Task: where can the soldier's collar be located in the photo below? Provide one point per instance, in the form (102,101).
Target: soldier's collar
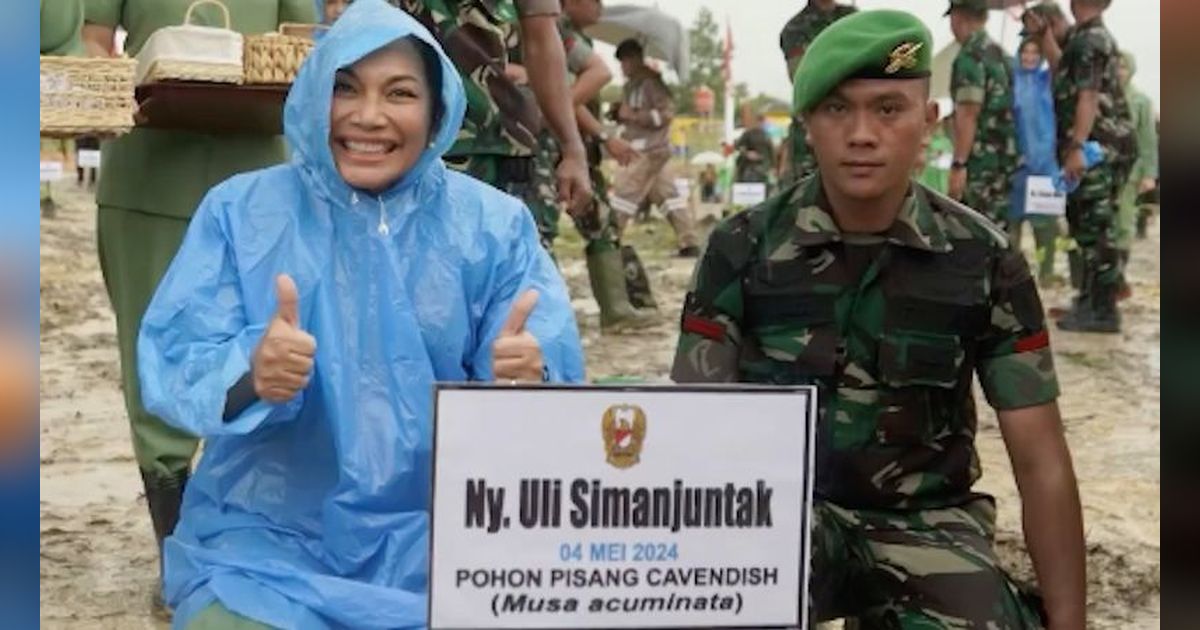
(915,226)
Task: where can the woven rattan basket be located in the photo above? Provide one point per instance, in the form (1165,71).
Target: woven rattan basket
(275,58)
(92,96)
(192,53)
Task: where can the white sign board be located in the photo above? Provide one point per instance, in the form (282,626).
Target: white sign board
(52,170)
(621,507)
(88,158)
(683,187)
(749,194)
(1042,198)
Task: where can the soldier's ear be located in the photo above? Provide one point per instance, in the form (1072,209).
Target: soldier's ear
(932,115)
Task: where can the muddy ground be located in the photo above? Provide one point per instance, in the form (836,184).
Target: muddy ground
(98,558)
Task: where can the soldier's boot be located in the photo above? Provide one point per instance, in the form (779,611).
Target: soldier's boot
(1124,290)
(637,283)
(164,496)
(1096,310)
(1075,268)
(608,286)
(1143,220)
(1078,281)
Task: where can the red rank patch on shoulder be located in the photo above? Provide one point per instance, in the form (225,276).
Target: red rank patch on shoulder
(1036,341)
(706,328)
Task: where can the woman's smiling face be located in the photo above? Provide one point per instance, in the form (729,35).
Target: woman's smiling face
(380,117)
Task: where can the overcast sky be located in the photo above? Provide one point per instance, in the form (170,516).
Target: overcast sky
(756,25)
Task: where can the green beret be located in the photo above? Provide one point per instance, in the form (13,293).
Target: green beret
(970,5)
(881,44)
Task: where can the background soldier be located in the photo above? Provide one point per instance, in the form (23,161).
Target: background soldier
(793,40)
(499,133)
(985,135)
(1143,179)
(889,298)
(1090,104)
(756,152)
(646,110)
(596,223)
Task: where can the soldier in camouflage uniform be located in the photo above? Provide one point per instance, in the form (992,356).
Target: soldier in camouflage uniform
(597,224)
(889,298)
(1090,104)
(986,155)
(815,17)
(756,152)
(500,130)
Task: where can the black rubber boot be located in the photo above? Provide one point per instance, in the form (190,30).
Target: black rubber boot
(164,495)
(1096,312)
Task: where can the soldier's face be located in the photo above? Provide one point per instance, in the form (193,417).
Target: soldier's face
(867,135)
(380,117)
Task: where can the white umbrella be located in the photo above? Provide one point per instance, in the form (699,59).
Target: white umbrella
(708,157)
(663,36)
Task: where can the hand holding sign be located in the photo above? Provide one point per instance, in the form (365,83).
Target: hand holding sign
(283,361)
(516,355)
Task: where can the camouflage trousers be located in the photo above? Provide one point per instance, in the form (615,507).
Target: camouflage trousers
(596,225)
(988,194)
(928,569)
(1092,220)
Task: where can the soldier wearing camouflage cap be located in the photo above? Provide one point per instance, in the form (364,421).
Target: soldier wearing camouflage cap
(1090,104)
(890,299)
(985,133)
(795,37)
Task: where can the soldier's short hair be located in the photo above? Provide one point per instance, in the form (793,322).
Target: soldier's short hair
(629,48)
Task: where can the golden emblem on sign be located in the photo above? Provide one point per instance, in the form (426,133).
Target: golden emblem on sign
(624,430)
(904,57)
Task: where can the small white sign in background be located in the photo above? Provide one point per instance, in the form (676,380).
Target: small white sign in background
(620,507)
(749,193)
(1042,198)
(88,158)
(52,170)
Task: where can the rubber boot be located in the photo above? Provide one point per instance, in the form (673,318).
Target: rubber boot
(1075,267)
(637,283)
(164,495)
(1096,311)
(1124,290)
(608,286)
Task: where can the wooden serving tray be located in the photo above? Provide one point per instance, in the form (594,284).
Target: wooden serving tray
(211,107)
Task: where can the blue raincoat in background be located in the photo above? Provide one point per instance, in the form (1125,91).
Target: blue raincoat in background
(1033,109)
(313,514)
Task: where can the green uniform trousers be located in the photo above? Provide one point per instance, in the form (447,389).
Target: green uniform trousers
(135,250)
(931,569)
(218,617)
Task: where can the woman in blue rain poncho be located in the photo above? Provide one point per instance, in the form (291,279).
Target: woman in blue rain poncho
(303,323)
(1033,109)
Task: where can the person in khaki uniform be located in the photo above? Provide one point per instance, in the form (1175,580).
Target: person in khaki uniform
(151,182)
(646,111)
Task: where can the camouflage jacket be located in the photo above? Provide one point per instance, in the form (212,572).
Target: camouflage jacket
(982,74)
(758,169)
(793,40)
(501,119)
(1089,62)
(806,25)
(889,327)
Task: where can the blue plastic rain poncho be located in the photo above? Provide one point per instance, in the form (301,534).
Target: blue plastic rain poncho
(1033,108)
(313,514)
